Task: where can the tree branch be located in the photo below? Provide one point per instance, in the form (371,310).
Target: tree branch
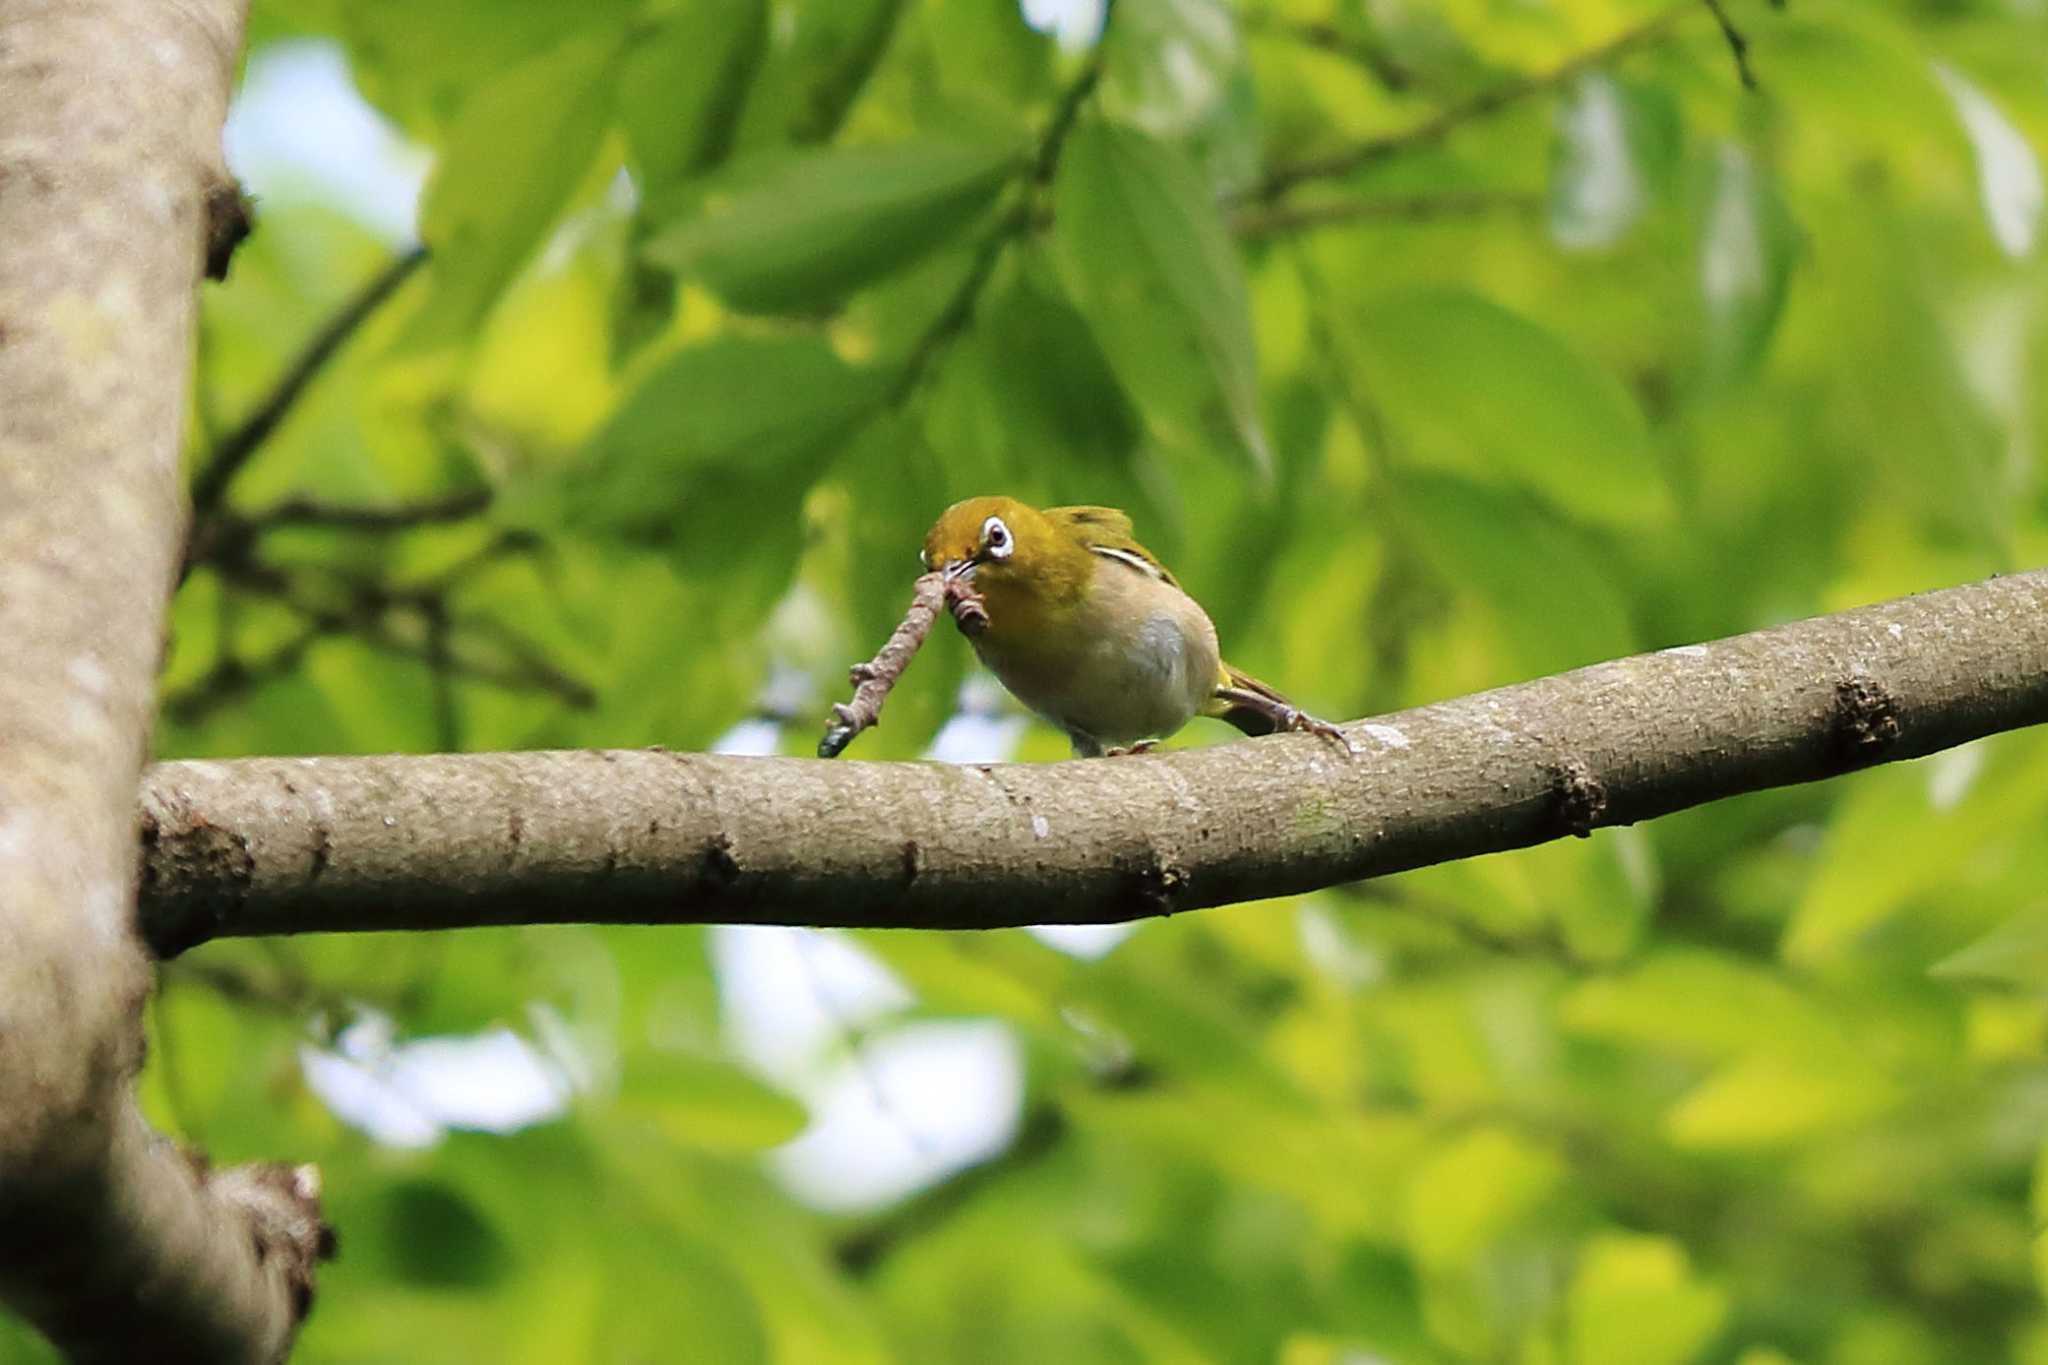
(1486,103)
(439,511)
(1738,44)
(1431,206)
(210,488)
(280,846)
(115,1244)
(954,318)
(1358,46)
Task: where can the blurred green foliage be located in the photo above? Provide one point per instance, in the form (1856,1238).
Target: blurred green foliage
(729,298)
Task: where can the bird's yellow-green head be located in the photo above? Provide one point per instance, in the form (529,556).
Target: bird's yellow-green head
(1022,562)
(993,539)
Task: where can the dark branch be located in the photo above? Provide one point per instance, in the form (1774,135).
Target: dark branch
(230,217)
(280,846)
(413,621)
(958,314)
(1284,219)
(1362,49)
(239,445)
(873,680)
(1738,45)
(404,516)
(1486,103)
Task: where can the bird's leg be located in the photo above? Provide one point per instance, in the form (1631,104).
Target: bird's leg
(1285,718)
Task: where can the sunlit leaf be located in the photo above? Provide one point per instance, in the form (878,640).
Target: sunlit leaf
(1766,1101)
(1475,1190)
(1746,252)
(1635,1301)
(521,147)
(1616,146)
(2015,954)
(2008,171)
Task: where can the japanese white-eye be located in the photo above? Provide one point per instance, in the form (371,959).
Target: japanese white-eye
(1088,629)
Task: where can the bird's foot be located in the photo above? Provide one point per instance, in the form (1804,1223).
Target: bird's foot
(1301,722)
(1284,717)
(1143,746)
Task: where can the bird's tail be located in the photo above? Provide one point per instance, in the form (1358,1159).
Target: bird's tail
(1250,705)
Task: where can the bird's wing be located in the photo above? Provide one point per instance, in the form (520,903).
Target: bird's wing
(1107,531)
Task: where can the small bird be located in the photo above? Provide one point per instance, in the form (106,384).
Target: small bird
(1087,628)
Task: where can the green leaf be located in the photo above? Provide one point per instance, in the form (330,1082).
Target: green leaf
(681,89)
(1616,147)
(1145,253)
(1167,64)
(1635,1301)
(2014,954)
(436,1236)
(705,1102)
(518,152)
(1555,603)
(736,407)
(1053,390)
(421,61)
(1467,385)
(1475,1191)
(836,48)
(783,232)
(1748,245)
(1765,1101)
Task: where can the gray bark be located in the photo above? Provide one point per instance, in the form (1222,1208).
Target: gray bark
(281,846)
(114,1242)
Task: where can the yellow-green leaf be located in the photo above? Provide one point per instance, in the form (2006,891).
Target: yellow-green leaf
(1144,251)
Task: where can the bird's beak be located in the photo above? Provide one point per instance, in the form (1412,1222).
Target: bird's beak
(957,569)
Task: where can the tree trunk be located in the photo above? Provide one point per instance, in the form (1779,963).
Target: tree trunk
(113,1241)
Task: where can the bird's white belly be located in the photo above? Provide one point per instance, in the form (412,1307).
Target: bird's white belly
(1140,663)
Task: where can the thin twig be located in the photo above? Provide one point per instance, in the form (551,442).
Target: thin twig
(872,680)
(1738,45)
(1487,102)
(1360,49)
(232,677)
(313,512)
(1283,219)
(953,319)
(236,448)
(1047,163)
(360,607)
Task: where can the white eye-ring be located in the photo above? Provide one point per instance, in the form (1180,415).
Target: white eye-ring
(924,557)
(996,537)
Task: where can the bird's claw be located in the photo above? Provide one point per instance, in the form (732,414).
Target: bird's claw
(1298,721)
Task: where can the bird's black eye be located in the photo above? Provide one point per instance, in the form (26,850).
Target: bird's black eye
(996,537)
